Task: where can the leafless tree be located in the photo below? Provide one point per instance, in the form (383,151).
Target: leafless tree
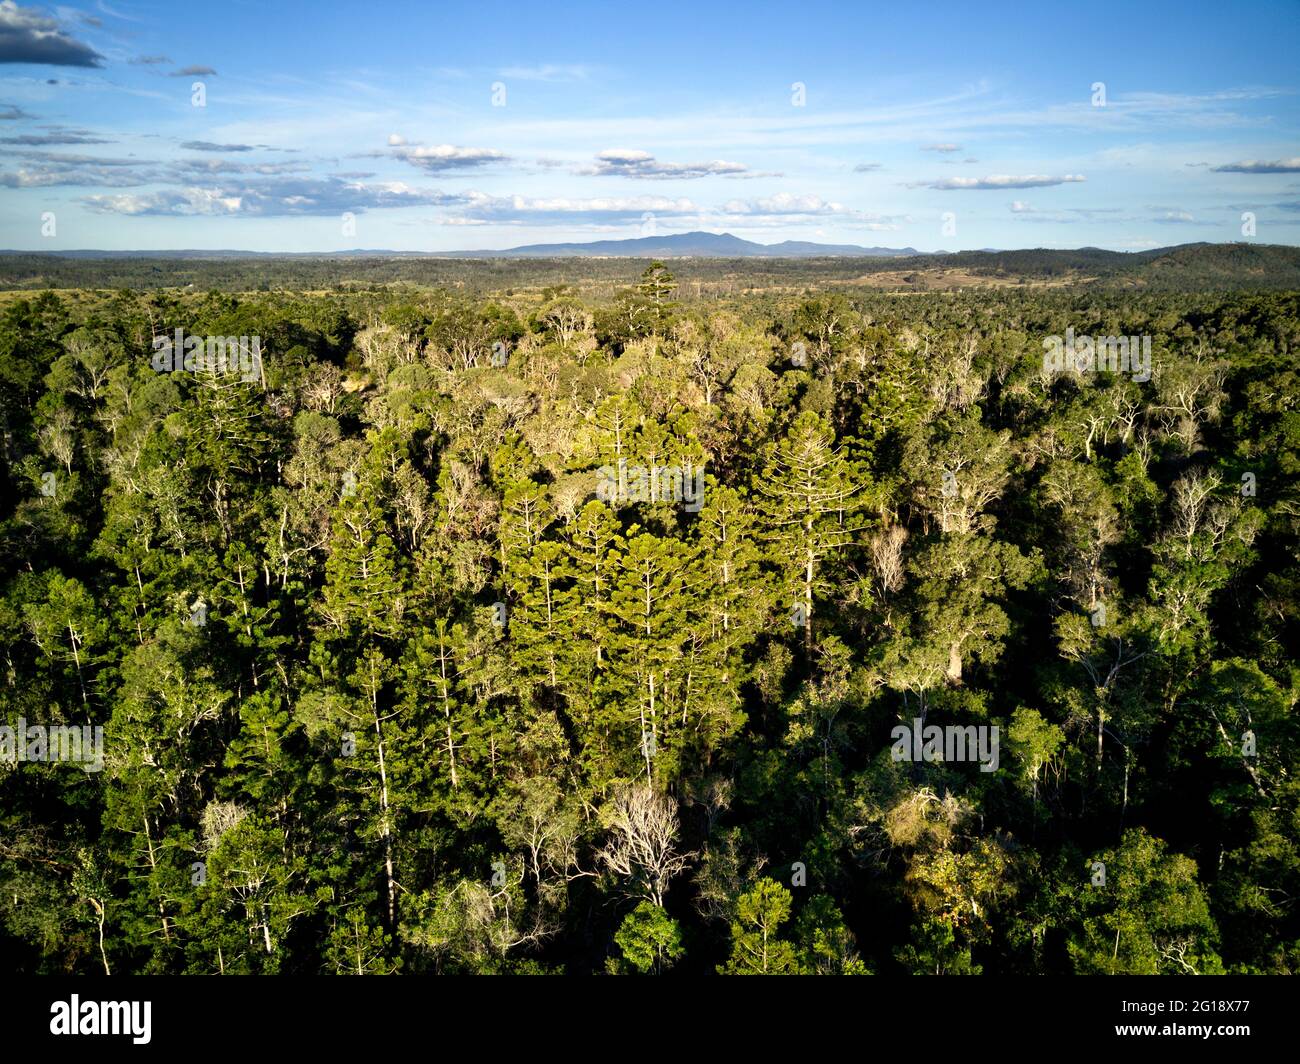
(219,818)
(887,557)
(642,844)
(566,318)
(325,389)
(58,437)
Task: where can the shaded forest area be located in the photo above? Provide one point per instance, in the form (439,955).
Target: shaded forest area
(384,686)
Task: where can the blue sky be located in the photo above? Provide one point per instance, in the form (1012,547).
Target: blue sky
(433,126)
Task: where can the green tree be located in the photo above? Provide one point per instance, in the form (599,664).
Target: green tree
(649,939)
(1150,918)
(755,947)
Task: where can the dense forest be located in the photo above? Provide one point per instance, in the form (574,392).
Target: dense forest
(415,647)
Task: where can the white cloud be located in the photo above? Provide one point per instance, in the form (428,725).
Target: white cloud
(548,72)
(189,201)
(999,181)
(277,197)
(626,162)
(441,158)
(1253,166)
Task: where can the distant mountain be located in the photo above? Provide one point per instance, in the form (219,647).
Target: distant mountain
(677,245)
(680,245)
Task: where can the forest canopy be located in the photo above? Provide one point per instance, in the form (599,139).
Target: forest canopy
(962,663)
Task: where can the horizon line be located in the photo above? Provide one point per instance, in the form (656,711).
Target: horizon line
(489,253)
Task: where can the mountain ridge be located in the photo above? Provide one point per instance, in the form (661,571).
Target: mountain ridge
(695,244)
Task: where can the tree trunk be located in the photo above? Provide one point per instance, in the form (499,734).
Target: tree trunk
(808,602)
(446,711)
(385,827)
(153,865)
(99,912)
(954,663)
